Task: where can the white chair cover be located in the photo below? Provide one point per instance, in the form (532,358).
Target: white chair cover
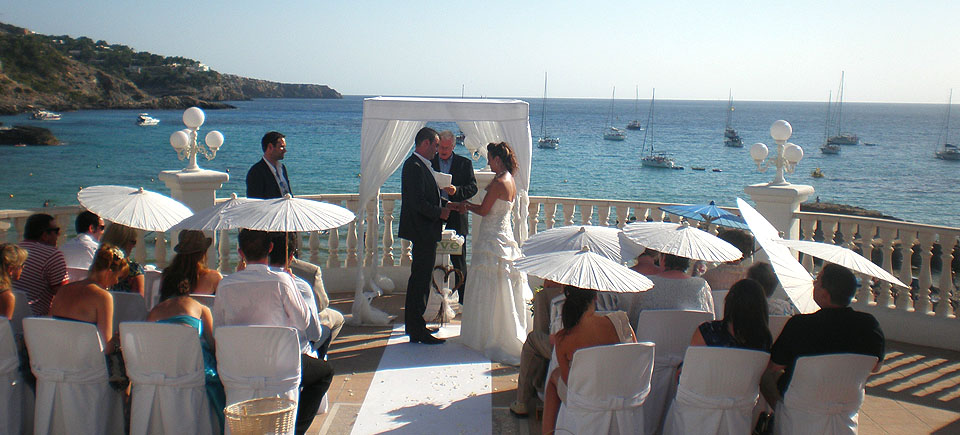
(776,325)
(21,310)
(671,331)
(606,390)
(73,396)
(128,307)
(165,367)
(556,308)
(718,389)
(258,361)
(77,273)
(718,298)
(151,286)
(206,300)
(824,395)
(16,398)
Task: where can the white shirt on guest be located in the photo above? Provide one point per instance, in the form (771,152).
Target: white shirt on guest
(260,296)
(79,251)
(313,329)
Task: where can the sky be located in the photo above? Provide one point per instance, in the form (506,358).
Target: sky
(891,51)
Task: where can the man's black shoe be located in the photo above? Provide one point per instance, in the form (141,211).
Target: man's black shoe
(427,339)
(433,330)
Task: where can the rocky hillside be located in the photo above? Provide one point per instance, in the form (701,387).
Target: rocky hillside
(63,73)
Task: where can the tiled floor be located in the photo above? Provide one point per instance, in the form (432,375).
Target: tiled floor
(917,391)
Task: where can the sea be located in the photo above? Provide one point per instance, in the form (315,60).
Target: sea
(899,176)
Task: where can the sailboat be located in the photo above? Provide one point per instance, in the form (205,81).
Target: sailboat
(730,136)
(635,124)
(610,132)
(654,159)
(842,138)
(948,151)
(546,141)
(827,147)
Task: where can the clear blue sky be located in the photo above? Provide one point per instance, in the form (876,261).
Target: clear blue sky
(892,51)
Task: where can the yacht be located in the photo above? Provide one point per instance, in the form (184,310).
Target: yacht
(730,136)
(546,141)
(44,115)
(658,160)
(145,120)
(948,151)
(614,133)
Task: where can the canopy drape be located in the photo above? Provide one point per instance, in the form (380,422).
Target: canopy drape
(386,139)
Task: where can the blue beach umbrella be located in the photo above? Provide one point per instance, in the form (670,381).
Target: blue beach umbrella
(709,213)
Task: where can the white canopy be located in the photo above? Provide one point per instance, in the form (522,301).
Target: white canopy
(391,123)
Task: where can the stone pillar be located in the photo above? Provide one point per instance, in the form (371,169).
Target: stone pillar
(779,203)
(197,190)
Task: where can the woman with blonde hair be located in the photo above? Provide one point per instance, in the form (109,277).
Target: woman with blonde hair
(88,300)
(125,238)
(12,258)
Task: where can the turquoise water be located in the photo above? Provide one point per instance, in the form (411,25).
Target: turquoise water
(899,176)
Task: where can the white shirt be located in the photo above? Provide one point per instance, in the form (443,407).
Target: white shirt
(79,251)
(260,296)
(278,176)
(312,332)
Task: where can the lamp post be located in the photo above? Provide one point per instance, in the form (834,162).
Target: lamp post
(185,141)
(787,157)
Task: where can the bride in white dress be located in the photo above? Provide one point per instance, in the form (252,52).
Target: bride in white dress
(496,317)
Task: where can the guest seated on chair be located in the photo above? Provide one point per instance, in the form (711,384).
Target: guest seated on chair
(647,263)
(176,306)
(582,328)
(535,354)
(744,323)
(726,274)
(673,289)
(835,328)
(190,264)
(125,238)
(763,274)
(12,258)
(285,246)
(87,300)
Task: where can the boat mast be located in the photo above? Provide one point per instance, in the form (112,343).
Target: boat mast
(840,106)
(729,109)
(946,128)
(543,107)
(649,129)
(826,125)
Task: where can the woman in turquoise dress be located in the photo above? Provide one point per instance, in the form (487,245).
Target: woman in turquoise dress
(176,306)
(125,238)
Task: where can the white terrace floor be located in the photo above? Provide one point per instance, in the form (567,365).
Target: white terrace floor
(386,385)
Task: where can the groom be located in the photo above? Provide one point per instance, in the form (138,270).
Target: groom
(421,221)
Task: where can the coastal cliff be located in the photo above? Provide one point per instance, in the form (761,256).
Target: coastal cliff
(62,73)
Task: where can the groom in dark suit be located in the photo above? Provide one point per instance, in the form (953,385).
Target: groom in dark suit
(267,179)
(421,220)
(464,187)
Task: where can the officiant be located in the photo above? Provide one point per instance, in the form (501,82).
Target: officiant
(463,187)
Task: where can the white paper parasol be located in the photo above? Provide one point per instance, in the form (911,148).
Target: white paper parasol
(135,208)
(681,240)
(842,256)
(601,240)
(210,219)
(796,281)
(584,269)
(286,214)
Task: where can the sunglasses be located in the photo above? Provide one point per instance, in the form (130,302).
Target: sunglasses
(53,230)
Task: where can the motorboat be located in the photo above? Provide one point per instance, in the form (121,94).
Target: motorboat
(460,138)
(614,133)
(817,173)
(546,141)
(145,120)
(44,115)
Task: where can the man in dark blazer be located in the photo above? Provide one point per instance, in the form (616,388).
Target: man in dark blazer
(268,178)
(463,187)
(421,220)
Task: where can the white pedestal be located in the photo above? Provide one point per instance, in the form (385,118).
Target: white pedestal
(197,190)
(779,203)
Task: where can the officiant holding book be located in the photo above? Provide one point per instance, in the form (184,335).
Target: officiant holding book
(463,186)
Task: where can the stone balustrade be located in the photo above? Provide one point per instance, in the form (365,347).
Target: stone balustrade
(905,249)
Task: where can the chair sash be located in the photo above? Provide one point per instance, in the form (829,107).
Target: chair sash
(260,383)
(195,379)
(607,403)
(689,397)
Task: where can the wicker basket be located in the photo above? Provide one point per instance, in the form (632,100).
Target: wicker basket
(266,415)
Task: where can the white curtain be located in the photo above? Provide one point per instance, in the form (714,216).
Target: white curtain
(385,145)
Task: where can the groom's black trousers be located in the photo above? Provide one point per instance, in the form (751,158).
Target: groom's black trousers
(418,287)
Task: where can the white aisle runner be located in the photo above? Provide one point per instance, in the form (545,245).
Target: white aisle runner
(428,389)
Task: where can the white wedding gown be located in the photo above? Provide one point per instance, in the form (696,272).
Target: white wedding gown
(496,316)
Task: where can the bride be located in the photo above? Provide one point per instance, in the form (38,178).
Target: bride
(495,313)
